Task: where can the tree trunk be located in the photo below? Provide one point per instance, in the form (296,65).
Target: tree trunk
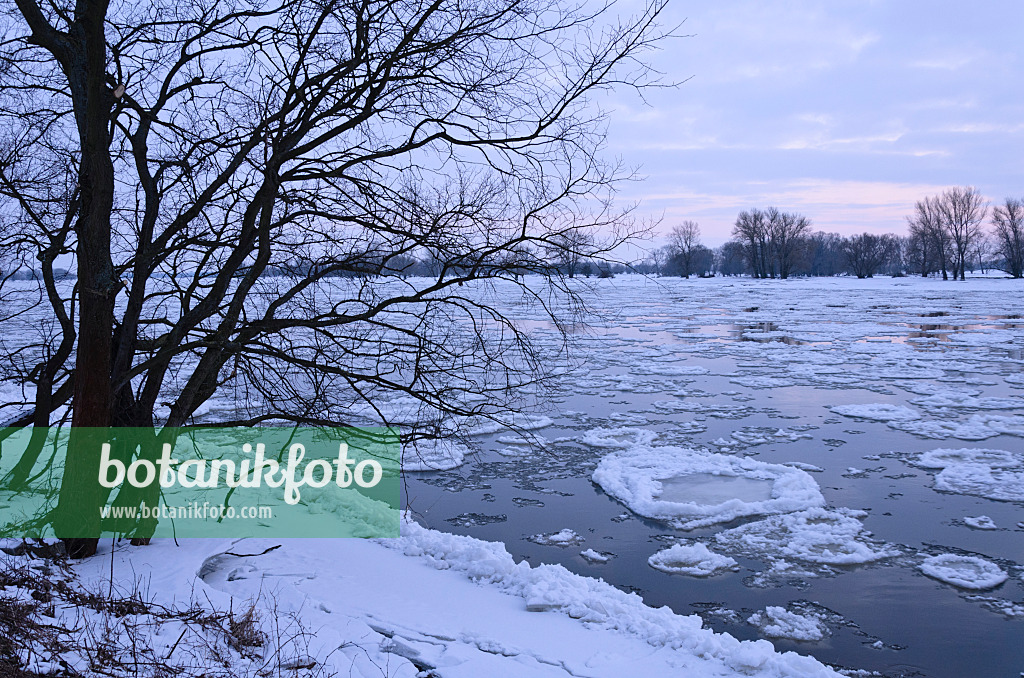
(77,520)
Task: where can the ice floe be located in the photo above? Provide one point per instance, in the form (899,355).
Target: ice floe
(433,455)
(966,572)
(690,489)
(563,538)
(620,438)
(980,522)
(877,412)
(590,555)
(815,535)
(778,622)
(695,560)
(993,474)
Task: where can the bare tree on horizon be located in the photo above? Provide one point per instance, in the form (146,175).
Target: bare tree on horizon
(1008,223)
(684,243)
(963,211)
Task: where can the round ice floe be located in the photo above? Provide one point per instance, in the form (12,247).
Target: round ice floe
(966,572)
(943,458)
(618,438)
(975,428)
(981,481)
(695,560)
(691,489)
(980,522)
(433,455)
(778,622)
(993,474)
(877,412)
(815,535)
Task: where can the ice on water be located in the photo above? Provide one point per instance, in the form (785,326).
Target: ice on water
(778,622)
(993,474)
(688,488)
(695,560)
(816,535)
(711,490)
(966,572)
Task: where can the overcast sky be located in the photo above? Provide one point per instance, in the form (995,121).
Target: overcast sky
(846,111)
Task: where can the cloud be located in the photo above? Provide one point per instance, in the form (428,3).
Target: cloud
(946,62)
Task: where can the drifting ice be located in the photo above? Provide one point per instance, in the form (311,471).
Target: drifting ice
(690,489)
(695,560)
(966,572)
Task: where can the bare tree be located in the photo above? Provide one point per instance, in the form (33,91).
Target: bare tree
(751,229)
(178,152)
(570,249)
(932,240)
(825,256)
(684,242)
(1008,228)
(981,249)
(963,210)
(773,240)
(865,254)
(787,234)
(730,258)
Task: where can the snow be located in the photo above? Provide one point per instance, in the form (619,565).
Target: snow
(690,489)
(778,622)
(695,560)
(430,602)
(966,572)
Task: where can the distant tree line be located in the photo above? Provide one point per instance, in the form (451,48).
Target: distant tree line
(946,236)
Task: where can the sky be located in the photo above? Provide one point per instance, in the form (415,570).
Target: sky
(846,111)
